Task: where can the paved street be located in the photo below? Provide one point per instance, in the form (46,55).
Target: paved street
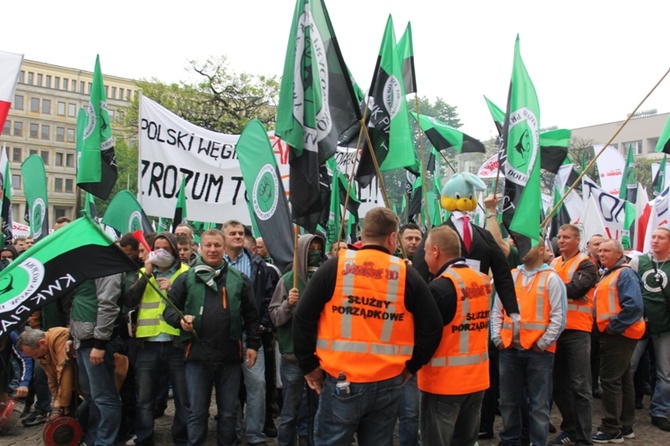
(647,435)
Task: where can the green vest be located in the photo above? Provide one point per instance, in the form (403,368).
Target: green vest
(85,302)
(656,305)
(195,301)
(285,332)
(150,318)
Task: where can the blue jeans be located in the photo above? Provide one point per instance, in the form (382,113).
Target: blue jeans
(200,378)
(369,411)
(572,384)
(450,419)
(408,414)
(660,400)
(254,383)
(155,359)
(42,392)
(532,371)
(293,383)
(102,398)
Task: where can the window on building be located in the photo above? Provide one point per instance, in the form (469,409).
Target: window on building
(106,91)
(60,134)
(62,212)
(31,77)
(18,128)
(34,130)
(72,110)
(90,88)
(47,81)
(46,131)
(121,93)
(17,154)
(57,82)
(69,160)
(82,87)
(113,92)
(46,106)
(7,127)
(59,159)
(58,185)
(22,76)
(70,135)
(33,151)
(16,181)
(635,145)
(34,105)
(60,108)
(128,92)
(45,156)
(69,185)
(74,85)
(39,80)
(65,83)
(18,102)
(111,115)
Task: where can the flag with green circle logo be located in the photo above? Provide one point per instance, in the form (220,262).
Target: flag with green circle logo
(37,202)
(125,214)
(57,264)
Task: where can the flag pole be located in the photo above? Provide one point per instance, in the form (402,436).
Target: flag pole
(424,193)
(166,300)
(590,165)
(295,256)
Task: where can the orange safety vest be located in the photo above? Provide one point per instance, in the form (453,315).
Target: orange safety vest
(607,305)
(580,313)
(365,330)
(460,364)
(533,300)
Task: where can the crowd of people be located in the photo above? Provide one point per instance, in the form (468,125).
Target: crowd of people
(431,332)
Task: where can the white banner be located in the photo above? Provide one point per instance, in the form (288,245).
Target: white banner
(171,147)
(610,167)
(489,169)
(610,207)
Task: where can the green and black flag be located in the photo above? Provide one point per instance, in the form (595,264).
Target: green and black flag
(663,144)
(37,202)
(267,199)
(125,214)
(59,263)
(521,134)
(406,54)
(387,117)
(180,209)
(317,104)
(443,136)
(96,166)
(628,188)
(659,180)
(6,235)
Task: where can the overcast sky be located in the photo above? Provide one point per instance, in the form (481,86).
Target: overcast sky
(591,61)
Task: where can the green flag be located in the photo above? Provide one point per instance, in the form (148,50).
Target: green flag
(54,266)
(125,214)
(659,179)
(163,224)
(406,56)
(497,114)
(35,190)
(317,103)
(180,209)
(443,136)
(628,189)
(89,207)
(628,225)
(388,120)
(522,212)
(6,236)
(267,200)
(335,214)
(663,144)
(96,167)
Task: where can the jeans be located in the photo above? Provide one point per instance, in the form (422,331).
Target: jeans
(254,383)
(369,411)
(450,419)
(616,381)
(153,360)
(531,371)
(41,388)
(660,400)
(572,384)
(408,414)
(492,394)
(225,378)
(101,396)
(292,393)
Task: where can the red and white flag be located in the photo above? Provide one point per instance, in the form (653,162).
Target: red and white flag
(10,65)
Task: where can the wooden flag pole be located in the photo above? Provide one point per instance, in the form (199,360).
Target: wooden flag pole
(296,230)
(583,172)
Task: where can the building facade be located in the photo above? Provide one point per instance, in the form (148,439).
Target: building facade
(43,121)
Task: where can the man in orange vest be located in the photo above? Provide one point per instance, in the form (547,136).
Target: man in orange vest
(527,348)
(618,309)
(572,371)
(452,384)
(363,326)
